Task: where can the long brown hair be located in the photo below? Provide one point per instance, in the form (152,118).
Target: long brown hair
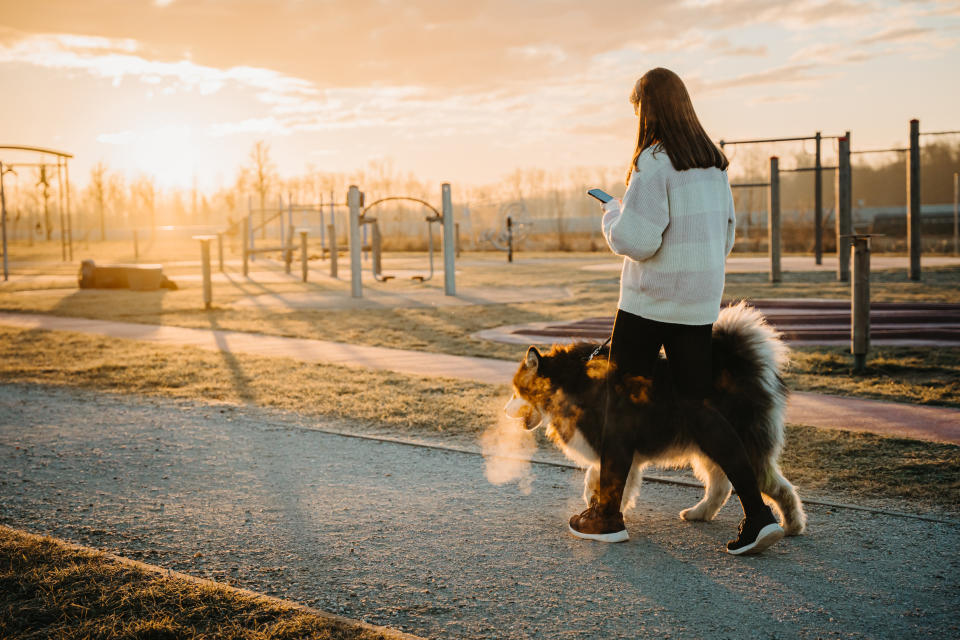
(667,119)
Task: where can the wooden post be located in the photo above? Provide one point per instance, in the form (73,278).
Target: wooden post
(205,267)
(303,255)
(509,239)
(332,237)
(913,200)
(843,202)
(773,224)
(449,248)
(860,303)
(457,233)
(136,247)
(353,202)
(220,250)
(818,206)
(246,247)
(376,248)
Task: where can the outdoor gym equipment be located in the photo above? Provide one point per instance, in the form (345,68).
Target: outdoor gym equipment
(376,239)
(358,218)
(513,231)
(63,196)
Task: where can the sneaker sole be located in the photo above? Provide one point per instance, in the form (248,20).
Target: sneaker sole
(617,536)
(768,536)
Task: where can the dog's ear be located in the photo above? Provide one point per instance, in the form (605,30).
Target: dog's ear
(532,360)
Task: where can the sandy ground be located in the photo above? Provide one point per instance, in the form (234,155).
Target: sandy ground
(417,539)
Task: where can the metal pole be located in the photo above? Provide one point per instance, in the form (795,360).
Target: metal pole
(353,202)
(3,223)
(66,173)
(449,243)
(860,303)
(509,239)
(773,225)
(956,226)
(913,200)
(844,226)
(63,226)
(246,246)
(332,236)
(818,206)
(303,255)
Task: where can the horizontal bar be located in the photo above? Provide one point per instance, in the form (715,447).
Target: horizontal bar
(938,133)
(725,142)
(879,151)
(62,154)
(750,184)
(799,169)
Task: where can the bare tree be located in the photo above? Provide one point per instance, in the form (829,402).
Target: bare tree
(98,190)
(43,181)
(261,174)
(144,193)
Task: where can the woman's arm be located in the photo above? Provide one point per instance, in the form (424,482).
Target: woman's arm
(731,226)
(634,229)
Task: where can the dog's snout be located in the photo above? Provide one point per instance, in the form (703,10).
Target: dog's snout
(514,408)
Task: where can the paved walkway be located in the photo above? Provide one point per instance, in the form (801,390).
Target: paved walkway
(418,539)
(887,418)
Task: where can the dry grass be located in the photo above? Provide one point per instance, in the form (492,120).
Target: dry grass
(918,375)
(851,465)
(52,590)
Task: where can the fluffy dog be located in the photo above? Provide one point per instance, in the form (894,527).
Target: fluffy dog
(565,389)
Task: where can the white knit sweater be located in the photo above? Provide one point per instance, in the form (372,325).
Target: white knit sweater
(674,230)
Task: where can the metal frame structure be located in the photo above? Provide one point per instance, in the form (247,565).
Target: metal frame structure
(817,181)
(63,196)
(444,217)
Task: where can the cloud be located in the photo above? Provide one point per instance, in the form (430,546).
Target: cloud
(897,34)
(799,73)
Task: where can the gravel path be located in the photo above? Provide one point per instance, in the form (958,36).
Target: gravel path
(417,539)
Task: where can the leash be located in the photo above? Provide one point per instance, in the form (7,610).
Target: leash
(599,348)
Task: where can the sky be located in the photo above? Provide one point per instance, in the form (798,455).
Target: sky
(455,91)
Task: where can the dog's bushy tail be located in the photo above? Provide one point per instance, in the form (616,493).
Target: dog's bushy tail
(749,361)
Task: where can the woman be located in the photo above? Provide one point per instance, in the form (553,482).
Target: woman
(675,228)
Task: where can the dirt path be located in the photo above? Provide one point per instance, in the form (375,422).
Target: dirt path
(417,539)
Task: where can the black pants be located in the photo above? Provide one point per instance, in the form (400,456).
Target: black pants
(634,350)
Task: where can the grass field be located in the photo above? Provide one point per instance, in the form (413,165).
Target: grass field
(922,375)
(49,589)
(851,466)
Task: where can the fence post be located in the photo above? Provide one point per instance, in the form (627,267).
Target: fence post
(860,303)
(509,239)
(773,225)
(818,206)
(332,236)
(303,255)
(220,250)
(913,200)
(246,248)
(843,200)
(457,240)
(353,202)
(956,222)
(136,247)
(449,242)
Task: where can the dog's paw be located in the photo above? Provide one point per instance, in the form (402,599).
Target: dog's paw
(795,528)
(694,514)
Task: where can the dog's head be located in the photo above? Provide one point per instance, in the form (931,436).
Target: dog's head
(529,385)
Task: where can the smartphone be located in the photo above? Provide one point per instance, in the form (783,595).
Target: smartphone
(600,195)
